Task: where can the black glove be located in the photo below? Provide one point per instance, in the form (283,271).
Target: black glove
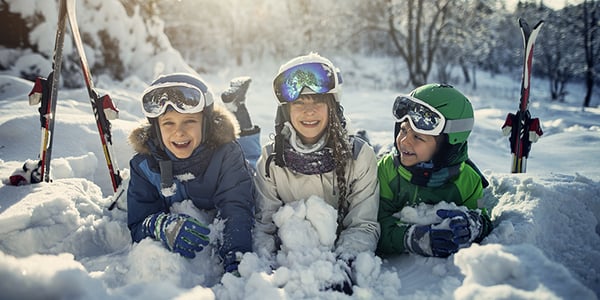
(426,240)
(435,240)
(344,286)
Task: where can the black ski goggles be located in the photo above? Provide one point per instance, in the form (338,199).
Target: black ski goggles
(183,97)
(320,78)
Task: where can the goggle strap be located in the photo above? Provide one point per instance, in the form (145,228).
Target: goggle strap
(459,125)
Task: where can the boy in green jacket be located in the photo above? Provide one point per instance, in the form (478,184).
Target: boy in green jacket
(429,165)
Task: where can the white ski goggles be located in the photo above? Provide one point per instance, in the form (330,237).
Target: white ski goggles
(183,97)
(426,119)
(318,77)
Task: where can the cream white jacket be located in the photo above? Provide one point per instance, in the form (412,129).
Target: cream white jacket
(360,231)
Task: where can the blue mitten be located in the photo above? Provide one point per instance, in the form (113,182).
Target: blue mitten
(426,240)
(179,232)
(465,226)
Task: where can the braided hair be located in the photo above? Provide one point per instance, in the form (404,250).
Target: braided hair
(342,152)
(337,140)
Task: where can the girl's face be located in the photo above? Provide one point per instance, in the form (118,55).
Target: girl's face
(310,118)
(414,147)
(181,133)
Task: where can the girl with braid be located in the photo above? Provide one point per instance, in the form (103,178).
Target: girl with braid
(312,155)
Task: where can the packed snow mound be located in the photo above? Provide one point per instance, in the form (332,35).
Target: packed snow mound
(545,245)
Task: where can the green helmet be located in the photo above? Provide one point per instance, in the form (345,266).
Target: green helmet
(452,104)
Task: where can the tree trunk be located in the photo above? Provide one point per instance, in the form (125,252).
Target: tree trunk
(465,70)
(589,83)
(590,25)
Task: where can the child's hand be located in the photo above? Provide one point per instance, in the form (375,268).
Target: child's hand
(179,232)
(346,285)
(465,226)
(427,240)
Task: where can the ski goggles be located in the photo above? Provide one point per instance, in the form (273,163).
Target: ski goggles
(318,77)
(426,119)
(183,97)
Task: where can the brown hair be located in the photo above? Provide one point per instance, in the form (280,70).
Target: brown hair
(342,151)
(337,140)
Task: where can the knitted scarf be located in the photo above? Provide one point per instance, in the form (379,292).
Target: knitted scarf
(317,162)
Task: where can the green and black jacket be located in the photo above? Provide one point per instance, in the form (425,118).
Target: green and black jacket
(461,184)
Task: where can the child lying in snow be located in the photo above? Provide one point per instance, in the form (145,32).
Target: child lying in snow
(430,164)
(189,151)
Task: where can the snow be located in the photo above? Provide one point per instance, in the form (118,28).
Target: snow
(58,240)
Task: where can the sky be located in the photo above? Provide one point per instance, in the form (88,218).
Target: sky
(58,240)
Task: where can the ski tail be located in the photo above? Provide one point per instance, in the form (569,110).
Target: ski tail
(49,97)
(45,93)
(102,106)
(520,125)
(40,94)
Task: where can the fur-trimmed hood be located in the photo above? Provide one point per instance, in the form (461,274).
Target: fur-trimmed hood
(223,129)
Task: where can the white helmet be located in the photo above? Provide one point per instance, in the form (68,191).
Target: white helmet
(324,79)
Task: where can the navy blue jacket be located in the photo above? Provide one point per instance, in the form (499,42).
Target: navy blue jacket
(221,183)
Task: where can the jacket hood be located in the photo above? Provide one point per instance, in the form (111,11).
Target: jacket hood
(223,129)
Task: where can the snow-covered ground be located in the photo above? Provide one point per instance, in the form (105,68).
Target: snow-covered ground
(59,241)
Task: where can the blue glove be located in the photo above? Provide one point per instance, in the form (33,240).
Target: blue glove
(180,233)
(426,240)
(465,226)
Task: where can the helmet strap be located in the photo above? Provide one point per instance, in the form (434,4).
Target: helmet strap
(165,164)
(449,154)
(166,173)
(155,134)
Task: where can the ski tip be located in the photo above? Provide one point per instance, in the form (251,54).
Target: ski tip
(523,23)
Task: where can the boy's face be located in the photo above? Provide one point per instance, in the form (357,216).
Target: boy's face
(309,118)
(181,133)
(414,147)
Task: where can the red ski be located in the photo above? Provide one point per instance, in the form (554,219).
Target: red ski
(102,106)
(523,129)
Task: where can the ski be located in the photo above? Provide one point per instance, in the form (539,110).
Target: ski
(102,106)
(46,95)
(523,129)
